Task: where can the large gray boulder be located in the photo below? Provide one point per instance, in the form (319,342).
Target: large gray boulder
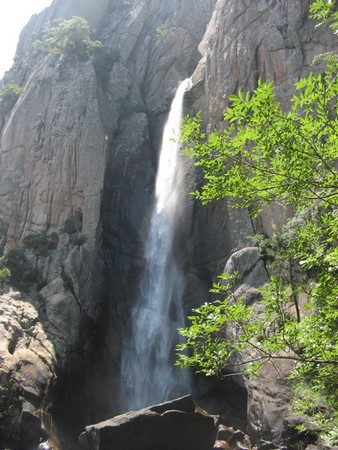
(177,424)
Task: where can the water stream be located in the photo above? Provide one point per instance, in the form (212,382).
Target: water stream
(148,374)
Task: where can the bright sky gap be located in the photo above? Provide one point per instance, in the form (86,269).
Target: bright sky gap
(14,15)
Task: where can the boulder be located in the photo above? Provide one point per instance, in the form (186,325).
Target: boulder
(177,424)
(221,445)
(299,432)
(27,359)
(229,438)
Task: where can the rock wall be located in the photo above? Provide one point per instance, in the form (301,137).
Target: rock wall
(27,371)
(82,140)
(51,146)
(247,40)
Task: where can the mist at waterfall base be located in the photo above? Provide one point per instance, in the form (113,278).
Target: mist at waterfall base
(148,373)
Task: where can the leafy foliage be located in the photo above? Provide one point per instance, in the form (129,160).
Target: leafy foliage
(5,274)
(308,402)
(267,155)
(73,227)
(70,37)
(325,11)
(41,243)
(211,346)
(17,270)
(162,31)
(8,97)
(10,410)
(73,224)
(23,274)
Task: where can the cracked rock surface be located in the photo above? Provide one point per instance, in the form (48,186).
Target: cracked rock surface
(27,368)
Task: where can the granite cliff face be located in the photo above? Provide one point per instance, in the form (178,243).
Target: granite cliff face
(78,156)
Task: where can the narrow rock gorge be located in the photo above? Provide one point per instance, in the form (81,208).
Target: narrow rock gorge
(78,157)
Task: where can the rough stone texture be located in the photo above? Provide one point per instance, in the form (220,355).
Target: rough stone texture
(248,39)
(269,396)
(243,262)
(269,401)
(53,151)
(24,339)
(172,425)
(85,138)
(89,139)
(249,265)
(27,367)
(292,434)
(230,438)
(221,445)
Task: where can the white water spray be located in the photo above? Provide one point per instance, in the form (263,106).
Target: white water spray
(148,374)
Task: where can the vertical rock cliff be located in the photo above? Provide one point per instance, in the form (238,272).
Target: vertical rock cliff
(247,40)
(78,158)
(78,155)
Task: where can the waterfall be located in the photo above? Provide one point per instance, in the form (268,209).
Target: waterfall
(148,374)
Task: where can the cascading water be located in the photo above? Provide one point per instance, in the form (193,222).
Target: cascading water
(148,374)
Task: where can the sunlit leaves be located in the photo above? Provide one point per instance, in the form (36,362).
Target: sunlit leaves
(71,37)
(8,97)
(265,154)
(324,11)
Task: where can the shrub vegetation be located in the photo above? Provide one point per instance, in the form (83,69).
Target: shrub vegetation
(8,97)
(70,37)
(262,156)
